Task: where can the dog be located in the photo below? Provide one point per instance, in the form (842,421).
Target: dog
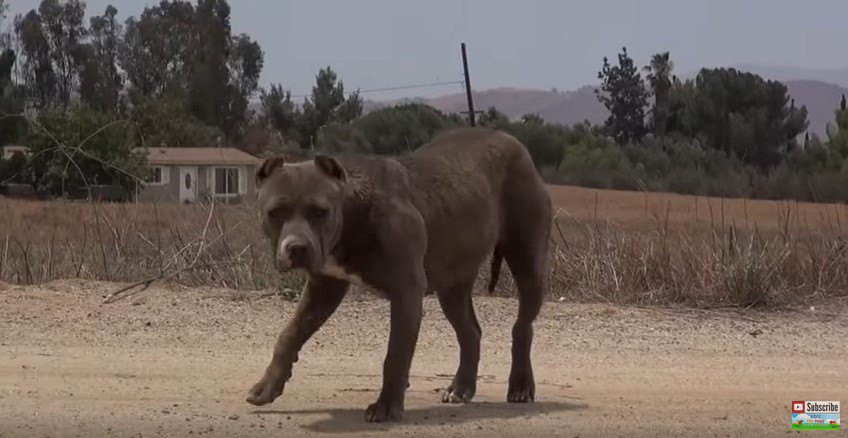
(409,226)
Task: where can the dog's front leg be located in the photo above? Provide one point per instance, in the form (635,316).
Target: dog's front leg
(320,299)
(406,311)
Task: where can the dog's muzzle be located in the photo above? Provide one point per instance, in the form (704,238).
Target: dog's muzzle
(292,253)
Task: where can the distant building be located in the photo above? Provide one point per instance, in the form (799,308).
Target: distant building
(188,175)
(11,149)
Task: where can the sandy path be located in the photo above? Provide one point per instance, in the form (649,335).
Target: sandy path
(177,362)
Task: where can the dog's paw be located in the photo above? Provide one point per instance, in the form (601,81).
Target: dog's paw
(382,412)
(265,391)
(521,393)
(458,393)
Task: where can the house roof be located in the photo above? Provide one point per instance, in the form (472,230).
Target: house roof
(200,156)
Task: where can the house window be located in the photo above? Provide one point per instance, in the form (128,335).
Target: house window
(157,175)
(226,181)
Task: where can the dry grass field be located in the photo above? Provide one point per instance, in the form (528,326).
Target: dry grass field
(610,246)
(651,211)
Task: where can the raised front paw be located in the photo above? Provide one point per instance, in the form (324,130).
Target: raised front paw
(384,411)
(266,390)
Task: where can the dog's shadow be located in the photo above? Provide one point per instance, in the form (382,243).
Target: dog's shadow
(353,420)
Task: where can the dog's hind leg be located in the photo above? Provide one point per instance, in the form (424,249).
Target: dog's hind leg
(524,245)
(529,279)
(458,308)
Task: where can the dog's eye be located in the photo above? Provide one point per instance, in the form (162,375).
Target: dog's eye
(278,213)
(318,212)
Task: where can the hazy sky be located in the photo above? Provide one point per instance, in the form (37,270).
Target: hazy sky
(538,44)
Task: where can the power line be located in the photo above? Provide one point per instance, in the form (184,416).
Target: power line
(401,87)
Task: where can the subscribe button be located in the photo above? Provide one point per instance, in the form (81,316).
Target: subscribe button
(815,407)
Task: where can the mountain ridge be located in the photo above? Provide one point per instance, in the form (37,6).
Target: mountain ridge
(569,107)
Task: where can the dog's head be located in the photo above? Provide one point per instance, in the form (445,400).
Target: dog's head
(301,206)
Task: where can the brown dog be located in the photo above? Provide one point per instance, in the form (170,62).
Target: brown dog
(407,227)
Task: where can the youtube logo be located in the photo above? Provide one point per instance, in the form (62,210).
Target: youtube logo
(798,407)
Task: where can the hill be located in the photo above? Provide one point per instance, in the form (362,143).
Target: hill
(569,107)
(821,100)
(552,105)
(837,76)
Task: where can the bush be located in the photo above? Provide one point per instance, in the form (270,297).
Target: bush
(13,169)
(545,142)
(79,147)
(401,129)
(342,139)
(596,164)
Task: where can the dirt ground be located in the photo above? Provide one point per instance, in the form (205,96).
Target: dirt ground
(178,362)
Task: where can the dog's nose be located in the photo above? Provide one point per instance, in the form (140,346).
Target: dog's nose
(297,254)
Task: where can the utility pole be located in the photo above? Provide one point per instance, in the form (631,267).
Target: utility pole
(471,114)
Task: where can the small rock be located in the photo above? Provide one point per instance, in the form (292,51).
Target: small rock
(756,333)
(234,417)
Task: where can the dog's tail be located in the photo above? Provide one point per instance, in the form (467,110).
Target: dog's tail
(497,260)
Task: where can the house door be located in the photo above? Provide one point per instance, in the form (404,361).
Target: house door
(188,185)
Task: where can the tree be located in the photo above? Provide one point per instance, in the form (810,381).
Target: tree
(532,119)
(209,64)
(79,147)
(167,122)
(38,74)
(157,49)
(838,142)
(349,110)
(245,64)
(11,97)
(101,83)
(660,79)
(493,118)
(842,103)
(624,95)
(327,95)
(260,139)
(177,50)
(327,104)
(278,110)
(53,46)
(738,113)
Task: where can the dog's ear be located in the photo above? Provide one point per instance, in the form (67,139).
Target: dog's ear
(268,167)
(331,167)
